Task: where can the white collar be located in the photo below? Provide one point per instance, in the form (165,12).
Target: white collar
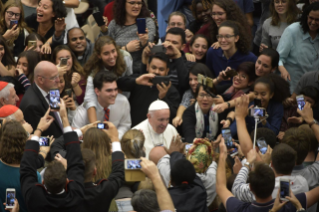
(42,91)
(61,192)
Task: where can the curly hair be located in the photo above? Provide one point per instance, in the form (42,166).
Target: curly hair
(304,17)
(21,24)
(207,4)
(119,12)
(234,13)
(59,9)
(243,44)
(95,64)
(291,14)
(12,142)
(132,144)
(7,59)
(33,59)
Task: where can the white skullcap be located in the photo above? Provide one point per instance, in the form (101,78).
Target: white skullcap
(158,105)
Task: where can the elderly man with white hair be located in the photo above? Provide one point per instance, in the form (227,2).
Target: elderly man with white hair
(156,128)
(8,94)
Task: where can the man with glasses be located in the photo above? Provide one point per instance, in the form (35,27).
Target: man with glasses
(175,19)
(35,101)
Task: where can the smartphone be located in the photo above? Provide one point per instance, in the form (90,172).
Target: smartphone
(54,98)
(201,79)
(257,102)
(44,141)
(64,62)
(262,145)
(231,73)
(13,22)
(32,43)
(157,49)
(160,79)
(227,137)
(102,126)
(133,164)
(284,189)
(141,25)
(209,82)
(98,17)
(300,101)
(68,92)
(10,197)
(257,112)
(187,146)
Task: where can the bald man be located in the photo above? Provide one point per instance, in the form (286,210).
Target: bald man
(35,101)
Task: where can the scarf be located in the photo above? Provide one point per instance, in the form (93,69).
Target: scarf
(200,122)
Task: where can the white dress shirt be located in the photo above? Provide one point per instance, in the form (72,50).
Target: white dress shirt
(119,115)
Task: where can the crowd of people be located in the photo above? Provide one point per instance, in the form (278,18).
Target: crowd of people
(177,105)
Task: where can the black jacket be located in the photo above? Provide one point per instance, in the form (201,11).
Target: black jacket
(36,196)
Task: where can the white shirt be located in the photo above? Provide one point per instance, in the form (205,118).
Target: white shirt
(153,139)
(119,115)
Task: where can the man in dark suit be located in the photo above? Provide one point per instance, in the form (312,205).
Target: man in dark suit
(35,101)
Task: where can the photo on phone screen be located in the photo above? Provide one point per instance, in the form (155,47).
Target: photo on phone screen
(10,196)
(187,146)
(284,189)
(54,98)
(44,141)
(301,102)
(141,25)
(102,126)
(133,164)
(262,145)
(13,22)
(260,112)
(227,137)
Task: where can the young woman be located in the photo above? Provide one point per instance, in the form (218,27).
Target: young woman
(7,63)
(199,45)
(35,37)
(74,73)
(299,51)
(201,11)
(106,57)
(283,13)
(132,144)
(189,96)
(235,45)
(123,28)
(14,35)
(272,90)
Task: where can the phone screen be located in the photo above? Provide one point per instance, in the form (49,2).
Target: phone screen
(262,145)
(257,112)
(12,23)
(284,189)
(11,195)
(44,141)
(133,164)
(187,146)
(64,61)
(141,25)
(301,102)
(98,17)
(158,48)
(101,126)
(54,99)
(227,137)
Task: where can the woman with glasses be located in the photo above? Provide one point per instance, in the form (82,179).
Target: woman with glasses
(299,48)
(199,120)
(12,26)
(283,13)
(234,49)
(123,28)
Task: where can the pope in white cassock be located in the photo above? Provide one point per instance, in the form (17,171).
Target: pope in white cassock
(156,128)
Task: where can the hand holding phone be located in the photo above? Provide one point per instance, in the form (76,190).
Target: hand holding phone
(262,145)
(54,99)
(300,101)
(10,197)
(102,126)
(64,62)
(98,17)
(228,138)
(284,189)
(231,73)
(257,112)
(13,22)
(133,164)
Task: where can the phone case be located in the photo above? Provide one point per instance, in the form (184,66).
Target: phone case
(141,25)
(98,17)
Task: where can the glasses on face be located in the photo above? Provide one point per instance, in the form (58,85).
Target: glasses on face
(10,14)
(282,1)
(219,14)
(202,96)
(241,76)
(132,3)
(313,19)
(51,78)
(179,24)
(220,37)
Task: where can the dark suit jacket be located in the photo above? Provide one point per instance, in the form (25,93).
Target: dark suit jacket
(34,106)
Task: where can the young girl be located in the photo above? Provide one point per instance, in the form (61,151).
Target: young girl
(7,64)
(272,90)
(74,73)
(106,57)
(35,37)
(198,47)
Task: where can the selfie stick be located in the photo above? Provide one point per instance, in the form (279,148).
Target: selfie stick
(255,134)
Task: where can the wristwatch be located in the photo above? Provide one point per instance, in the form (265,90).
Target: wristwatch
(313,122)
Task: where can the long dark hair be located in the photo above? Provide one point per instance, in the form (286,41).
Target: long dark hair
(7,59)
(304,17)
(33,59)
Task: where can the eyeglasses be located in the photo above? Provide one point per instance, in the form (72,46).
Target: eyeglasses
(10,14)
(219,14)
(179,24)
(51,78)
(282,2)
(132,3)
(313,19)
(242,76)
(202,96)
(220,37)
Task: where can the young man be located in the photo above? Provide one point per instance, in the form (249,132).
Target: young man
(111,106)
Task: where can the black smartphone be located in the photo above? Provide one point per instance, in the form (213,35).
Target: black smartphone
(102,126)
(98,17)
(13,22)
(68,92)
(284,189)
(44,141)
(54,98)
(257,102)
(231,73)
(227,137)
(160,79)
(262,145)
(158,48)
(141,25)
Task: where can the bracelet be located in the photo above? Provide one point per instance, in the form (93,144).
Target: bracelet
(39,130)
(228,104)
(230,119)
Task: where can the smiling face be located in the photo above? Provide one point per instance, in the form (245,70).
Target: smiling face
(107,95)
(313,21)
(281,6)
(159,120)
(199,48)
(241,81)
(133,9)
(227,44)
(64,54)
(158,67)
(176,21)
(205,101)
(2,51)
(77,41)
(263,66)
(218,14)
(39,46)
(9,16)
(108,55)
(45,11)
(193,82)
(23,64)
(263,93)
(202,14)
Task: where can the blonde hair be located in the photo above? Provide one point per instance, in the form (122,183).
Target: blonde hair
(132,144)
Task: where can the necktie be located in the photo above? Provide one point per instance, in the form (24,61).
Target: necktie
(56,115)
(107,114)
